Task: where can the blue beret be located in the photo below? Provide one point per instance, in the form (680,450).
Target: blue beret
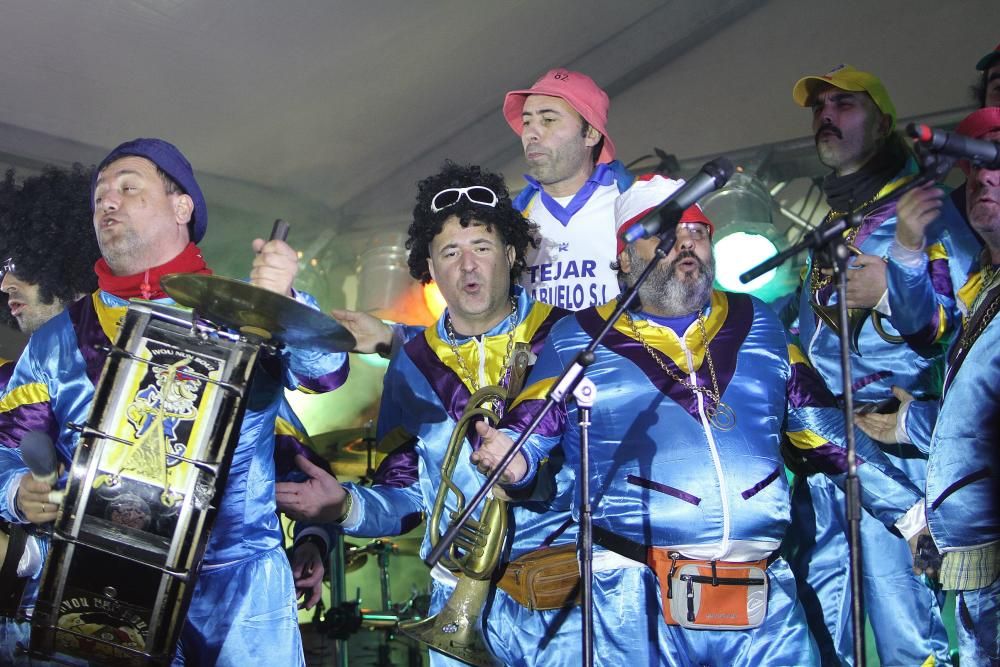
(171,162)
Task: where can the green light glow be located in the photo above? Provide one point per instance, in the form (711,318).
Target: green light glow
(737,252)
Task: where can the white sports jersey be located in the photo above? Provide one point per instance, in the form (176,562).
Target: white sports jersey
(572,266)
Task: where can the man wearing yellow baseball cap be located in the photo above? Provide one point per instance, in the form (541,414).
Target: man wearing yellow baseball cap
(853,123)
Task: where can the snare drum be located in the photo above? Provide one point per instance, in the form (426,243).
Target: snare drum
(133,527)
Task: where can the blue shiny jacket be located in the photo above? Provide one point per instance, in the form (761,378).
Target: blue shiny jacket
(662,475)
(917,365)
(425,393)
(963,469)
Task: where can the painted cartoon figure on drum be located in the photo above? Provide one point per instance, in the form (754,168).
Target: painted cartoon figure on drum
(162,405)
(101,626)
(156,412)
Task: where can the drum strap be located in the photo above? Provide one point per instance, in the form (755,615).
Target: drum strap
(12,586)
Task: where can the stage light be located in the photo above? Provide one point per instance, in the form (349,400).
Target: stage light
(745,236)
(738,251)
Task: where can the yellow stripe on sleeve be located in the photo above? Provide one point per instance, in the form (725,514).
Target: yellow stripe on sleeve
(25,394)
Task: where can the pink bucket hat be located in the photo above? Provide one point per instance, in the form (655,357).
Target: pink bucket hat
(579,91)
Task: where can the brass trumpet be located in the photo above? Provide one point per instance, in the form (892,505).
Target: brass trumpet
(457,629)
(856,317)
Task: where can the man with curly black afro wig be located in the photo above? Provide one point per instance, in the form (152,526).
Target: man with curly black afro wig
(463,196)
(48,243)
(48,250)
(467,236)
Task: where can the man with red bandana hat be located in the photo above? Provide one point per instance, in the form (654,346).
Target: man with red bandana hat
(962,490)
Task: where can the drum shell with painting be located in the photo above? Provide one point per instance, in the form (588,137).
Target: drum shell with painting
(147,474)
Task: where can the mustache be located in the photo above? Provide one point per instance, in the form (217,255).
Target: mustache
(686,254)
(829,127)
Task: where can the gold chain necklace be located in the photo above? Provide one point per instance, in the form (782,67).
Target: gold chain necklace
(719,414)
(817,280)
(453,344)
(988,275)
(989,278)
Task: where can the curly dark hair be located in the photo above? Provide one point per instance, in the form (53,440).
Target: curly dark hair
(513,228)
(46,228)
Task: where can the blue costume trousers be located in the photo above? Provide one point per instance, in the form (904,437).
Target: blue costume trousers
(904,613)
(243,614)
(977,621)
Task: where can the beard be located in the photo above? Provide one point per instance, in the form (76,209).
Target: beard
(666,291)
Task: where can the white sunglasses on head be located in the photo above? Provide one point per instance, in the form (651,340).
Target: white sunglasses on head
(476,194)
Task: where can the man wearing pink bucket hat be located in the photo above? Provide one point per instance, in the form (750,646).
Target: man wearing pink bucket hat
(573,181)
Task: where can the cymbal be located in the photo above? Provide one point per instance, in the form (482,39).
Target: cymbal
(333,441)
(354,558)
(403,545)
(247,308)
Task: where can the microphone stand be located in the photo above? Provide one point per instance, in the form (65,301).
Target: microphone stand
(567,383)
(828,241)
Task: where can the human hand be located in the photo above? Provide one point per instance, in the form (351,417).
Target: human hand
(320,498)
(926,557)
(308,568)
(882,427)
(494,446)
(274,266)
(34,500)
(866,282)
(370,333)
(915,210)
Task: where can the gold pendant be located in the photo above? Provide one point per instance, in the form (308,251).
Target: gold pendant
(721,416)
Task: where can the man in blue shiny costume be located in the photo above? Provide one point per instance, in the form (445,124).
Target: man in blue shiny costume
(962,493)
(853,120)
(694,392)
(149,213)
(466,236)
(49,249)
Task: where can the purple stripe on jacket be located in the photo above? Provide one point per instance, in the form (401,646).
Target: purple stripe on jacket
(807,389)
(286,448)
(31,417)
(89,335)
(327,382)
(827,458)
(724,348)
(399,470)
(448,387)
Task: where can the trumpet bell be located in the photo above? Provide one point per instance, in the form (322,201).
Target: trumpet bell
(457,630)
(856,318)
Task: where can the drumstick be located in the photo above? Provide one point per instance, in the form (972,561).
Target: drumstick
(280,230)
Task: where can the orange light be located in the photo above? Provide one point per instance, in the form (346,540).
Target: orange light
(435,302)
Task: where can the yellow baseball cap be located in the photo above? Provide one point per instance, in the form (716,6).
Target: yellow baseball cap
(848,78)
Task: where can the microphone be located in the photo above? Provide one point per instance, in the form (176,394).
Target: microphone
(985,154)
(713,175)
(39,454)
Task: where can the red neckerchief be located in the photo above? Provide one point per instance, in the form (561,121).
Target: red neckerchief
(146,285)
